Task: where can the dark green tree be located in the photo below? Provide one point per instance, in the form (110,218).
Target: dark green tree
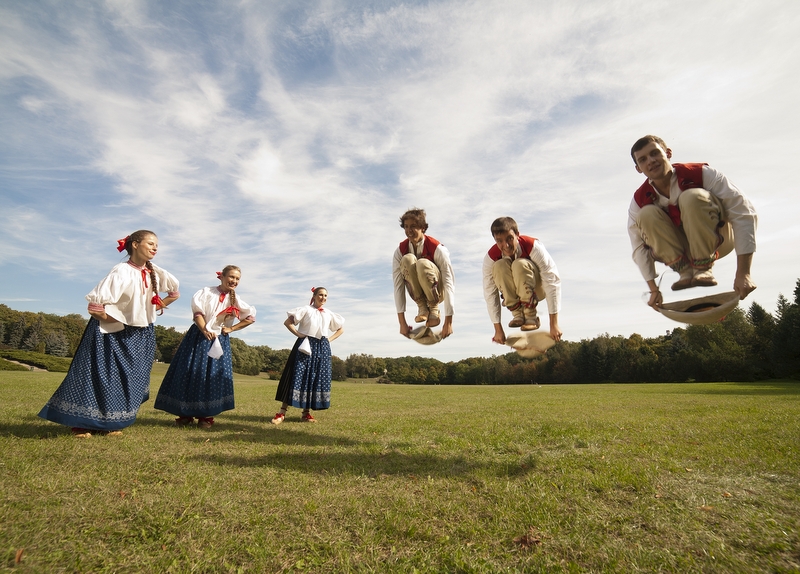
(17,333)
(55,343)
(786,337)
(167,341)
(246,359)
(339,369)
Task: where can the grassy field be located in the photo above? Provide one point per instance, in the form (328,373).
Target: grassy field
(600,478)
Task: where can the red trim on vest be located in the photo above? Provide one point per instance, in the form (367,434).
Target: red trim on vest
(429,246)
(525,242)
(690,176)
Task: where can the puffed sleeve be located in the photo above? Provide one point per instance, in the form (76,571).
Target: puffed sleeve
(298,314)
(167,282)
(245,310)
(112,291)
(337,322)
(199,303)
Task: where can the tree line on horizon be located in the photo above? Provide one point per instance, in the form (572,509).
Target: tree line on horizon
(746,346)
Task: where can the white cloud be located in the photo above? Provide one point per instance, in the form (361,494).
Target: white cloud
(289,139)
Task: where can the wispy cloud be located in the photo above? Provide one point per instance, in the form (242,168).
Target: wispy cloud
(289,138)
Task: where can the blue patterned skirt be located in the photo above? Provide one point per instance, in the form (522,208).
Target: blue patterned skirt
(306,379)
(195,384)
(108,380)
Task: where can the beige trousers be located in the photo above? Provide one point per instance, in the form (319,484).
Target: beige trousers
(420,275)
(703,237)
(518,281)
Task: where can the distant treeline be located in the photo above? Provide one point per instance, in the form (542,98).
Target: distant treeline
(746,346)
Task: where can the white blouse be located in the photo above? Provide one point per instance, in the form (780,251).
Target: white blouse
(210,302)
(314,322)
(126,295)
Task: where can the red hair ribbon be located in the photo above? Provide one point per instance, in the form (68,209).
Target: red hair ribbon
(230,311)
(219,274)
(122,243)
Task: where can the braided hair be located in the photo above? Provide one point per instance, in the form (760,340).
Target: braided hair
(138,237)
(232,292)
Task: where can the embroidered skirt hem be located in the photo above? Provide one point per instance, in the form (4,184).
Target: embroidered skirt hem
(108,380)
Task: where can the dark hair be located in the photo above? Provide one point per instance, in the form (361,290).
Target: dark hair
(224,272)
(641,142)
(417,217)
(138,237)
(314,293)
(504,225)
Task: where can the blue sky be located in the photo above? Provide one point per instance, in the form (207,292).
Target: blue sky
(287,138)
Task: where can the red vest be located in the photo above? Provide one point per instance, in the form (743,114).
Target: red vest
(525,242)
(690,176)
(429,246)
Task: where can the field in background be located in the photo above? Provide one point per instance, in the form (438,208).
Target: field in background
(573,478)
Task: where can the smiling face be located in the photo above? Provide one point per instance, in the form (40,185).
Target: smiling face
(653,161)
(230,280)
(144,250)
(320,298)
(413,231)
(507,241)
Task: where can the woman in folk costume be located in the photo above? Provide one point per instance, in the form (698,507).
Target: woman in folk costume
(197,385)
(306,379)
(109,377)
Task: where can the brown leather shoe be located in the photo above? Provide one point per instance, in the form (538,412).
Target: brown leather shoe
(704,279)
(687,275)
(433,315)
(531,322)
(422,311)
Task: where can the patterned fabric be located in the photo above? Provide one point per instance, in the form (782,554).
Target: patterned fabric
(108,380)
(306,379)
(195,384)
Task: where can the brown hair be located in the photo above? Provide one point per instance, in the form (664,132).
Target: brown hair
(138,237)
(417,217)
(224,272)
(314,293)
(504,225)
(641,142)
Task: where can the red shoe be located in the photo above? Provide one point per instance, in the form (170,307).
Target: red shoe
(205,422)
(307,418)
(183,421)
(278,418)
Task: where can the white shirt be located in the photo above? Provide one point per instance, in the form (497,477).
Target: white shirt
(548,273)
(441,258)
(125,294)
(737,210)
(312,322)
(206,303)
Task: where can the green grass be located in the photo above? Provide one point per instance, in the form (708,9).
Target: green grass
(396,478)
(11,366)
(41,360)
